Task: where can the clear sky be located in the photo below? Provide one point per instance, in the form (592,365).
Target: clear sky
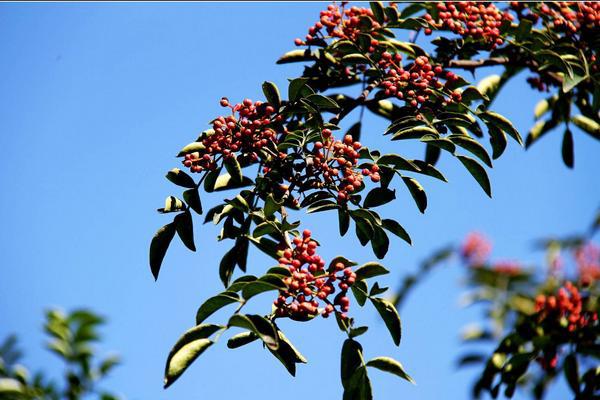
(95,101)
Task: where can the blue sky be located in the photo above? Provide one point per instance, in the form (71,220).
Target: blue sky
(97,99)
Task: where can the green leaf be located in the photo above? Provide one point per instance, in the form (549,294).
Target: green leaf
(538,130)
(172,204)
(432,154)
(428,169)
(185,229)
(390,365)
(272,94)
(360,291)
(497,140)
(234,169)
(180,178)
(417,192)
(226,182)
(211,179)
(159,245)
(227,265)
(380,242)
(241,339)
(265,283)
(378,11)
(472,146)
(295,88)
(478,172)
(351,360)
(415,132)
(343,221)
(567,149)
(502,123)
(214,304)
(296,56)
(588,125)
(189,346)
(10,387)
(543,106)
(355,58)
(271,205)
(378,197)
(370,270)
(259,325)
(359,387)
(441,143)
(288,354)
(489,85)
(397,229)
(569,82)
(390,316)
(191,148)
(267,246)
(192,198)
(323,102)
(354,131)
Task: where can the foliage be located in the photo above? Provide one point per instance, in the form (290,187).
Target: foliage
(281,156)
(71,338)
(541,322)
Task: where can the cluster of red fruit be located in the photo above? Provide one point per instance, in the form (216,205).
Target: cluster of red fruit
(246,133)
(587,258)
(309,283)
(476,20)
(567,305)
(572,16)
(330,165)
(475,249)
(537,82)
(416,83)
(341,24)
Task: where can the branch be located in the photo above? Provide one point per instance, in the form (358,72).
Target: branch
(359,100)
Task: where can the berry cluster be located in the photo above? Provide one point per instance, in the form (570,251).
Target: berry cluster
(416,83)
(571,16)
(475,249)
(330,164)
(587,258)
(567,305)
(471,19)
(339,23)
(246,134)
(310,283)
(538,83)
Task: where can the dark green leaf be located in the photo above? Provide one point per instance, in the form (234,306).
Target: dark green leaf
(159,245)
(417,192)
(397,229)
(234,169)
(390,317)
(503,123)
(432,154)
(180,178)
(263,284)
(379,196)
(215,303)
(287,354)
(497,140)
(571,368)
(259,325)
(343,221)
(567,149)
(226,182)
(380,242)
(370,270)
(478,172)
(241,339)
(272,94)
(192,198)
(351,360)
(295,88)
(472,146)
(185,229)
(360,291)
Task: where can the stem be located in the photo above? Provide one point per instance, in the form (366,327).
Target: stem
(358,101)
